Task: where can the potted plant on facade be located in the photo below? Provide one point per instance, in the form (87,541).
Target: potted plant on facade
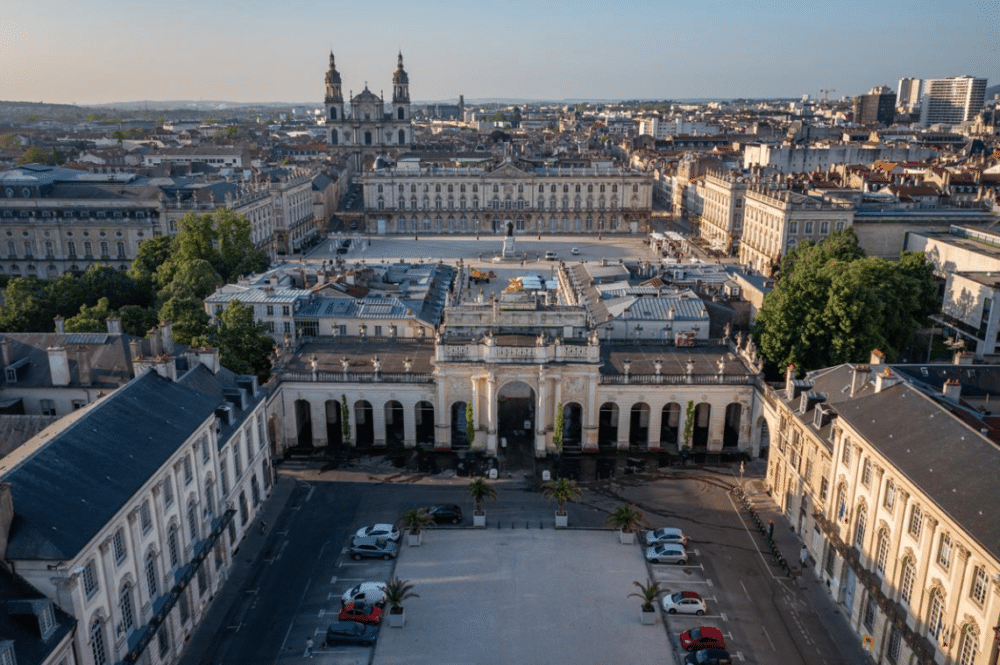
(648,593)
(480,490)
(470,426)
(345,420)
(625,518)
(396,591)
(561,491)
(414,520)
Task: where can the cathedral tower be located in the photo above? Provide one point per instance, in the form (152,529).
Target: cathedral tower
(334,103)
(400,93)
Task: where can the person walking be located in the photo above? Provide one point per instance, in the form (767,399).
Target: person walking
(309,647)
(803,556)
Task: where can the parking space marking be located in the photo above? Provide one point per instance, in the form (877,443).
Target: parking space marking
(745,590)
(771,642)
(709,582)
(739,655)
(312,488)
(323,548)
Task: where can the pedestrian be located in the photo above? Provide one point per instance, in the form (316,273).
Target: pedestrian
(770,530)
(309,647)
(803,555)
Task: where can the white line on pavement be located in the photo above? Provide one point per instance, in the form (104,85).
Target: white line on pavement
(750,536)
(764,630)
(745,590)
(312,488)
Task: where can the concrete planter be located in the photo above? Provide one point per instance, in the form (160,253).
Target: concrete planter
(626,537)
(562,521)
(647,618)
(397,620)
(414,539)
(479,520)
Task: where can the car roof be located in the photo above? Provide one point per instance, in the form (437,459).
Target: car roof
(382,527)
(668,547)
(668,529)
(690,594)
(711,632)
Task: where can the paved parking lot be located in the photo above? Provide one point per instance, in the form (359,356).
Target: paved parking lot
(522,596)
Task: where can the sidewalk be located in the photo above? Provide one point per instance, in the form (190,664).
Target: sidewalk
(807,582)
(204,635)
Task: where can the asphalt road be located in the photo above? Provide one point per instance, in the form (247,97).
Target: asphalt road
(302,570)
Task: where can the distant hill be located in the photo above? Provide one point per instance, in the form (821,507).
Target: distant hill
(994,90)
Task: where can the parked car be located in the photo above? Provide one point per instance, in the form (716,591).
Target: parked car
(445,513)
(575,251)
(348,632)
(378,548)
(684,602)
(704,637)
(666,535)
(550,256)
(366,592)
(709,657)
(667,553)
(361,613)
(386,531)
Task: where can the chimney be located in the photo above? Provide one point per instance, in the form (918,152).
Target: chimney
(885,379)
(964,358)
(877,357)
(952,390)
(60,324)
(165,367)
(114,325)
(6,514)
(136,351)
(59,365)
(5,351)
(167,336)
(790,382)
(209,357)
(83,365)
(155,348)
(859,377)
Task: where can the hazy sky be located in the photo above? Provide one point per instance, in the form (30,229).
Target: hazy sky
(91,51)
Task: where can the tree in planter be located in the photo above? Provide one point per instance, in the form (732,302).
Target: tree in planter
(345,419)
(415,519)
(480,490)
(470,425)
(561,491)
(625,517)
(557,431)
(648,593)
(396,591)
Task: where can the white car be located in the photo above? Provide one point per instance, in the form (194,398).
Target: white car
(366,592)
(667,553)
(684,602)
(575,251)
(550,256)
(666,535)
(384,531)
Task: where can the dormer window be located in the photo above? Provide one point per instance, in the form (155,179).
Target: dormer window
(7,653)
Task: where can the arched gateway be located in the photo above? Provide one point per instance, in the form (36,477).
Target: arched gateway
(516,422)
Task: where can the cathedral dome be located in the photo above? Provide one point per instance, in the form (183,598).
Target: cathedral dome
(399,76)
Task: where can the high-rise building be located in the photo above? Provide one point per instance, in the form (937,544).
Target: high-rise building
(952,100)
(878,106)
(908,94)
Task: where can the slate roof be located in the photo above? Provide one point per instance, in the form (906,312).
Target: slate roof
(66,489)
(20,624)
(953,465)
(110,358)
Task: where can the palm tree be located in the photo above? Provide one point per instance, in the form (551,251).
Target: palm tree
(562,490)
(480,491)
(415,519)
(648,593)
(625,517)
(396,591)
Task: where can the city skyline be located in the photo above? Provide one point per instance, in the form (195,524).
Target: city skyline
(278,53)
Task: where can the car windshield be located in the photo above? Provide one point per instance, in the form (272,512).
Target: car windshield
(695,634)
(677,597)
(354,591)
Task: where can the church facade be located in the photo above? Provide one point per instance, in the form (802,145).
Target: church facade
(367,128)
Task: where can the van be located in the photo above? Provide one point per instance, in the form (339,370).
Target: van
(366,592)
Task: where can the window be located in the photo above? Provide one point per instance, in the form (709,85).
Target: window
(824,487)
(846,457)
(916,521)
(831,557)
(284,310)
(223,477)
(969,647)
(145,517)
(210,498)
(172,547)
(870,610)
(193,522)
(266,473)
(270,310)
(118,543)
(168,492)
(98,649)
(824,228)
(935,614)
(151,575)
(906,580)
(840,226)
(237,463)
(882,554)
(71,249)
(890,495)
(979,585)
(121,250)
(188,473)
(859,528)
(793,228)
(89,579)
(48,407)
(944,551)
(895,642)
(808,228)
(866,473)
(125,608)
(163,640)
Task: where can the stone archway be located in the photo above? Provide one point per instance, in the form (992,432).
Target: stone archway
(334,429)
(394,428)
(423,414)
(607,430)
(303,423)
(516,423)
(731,429)
(572,426)
(763,437)
(364,424)
(458,423)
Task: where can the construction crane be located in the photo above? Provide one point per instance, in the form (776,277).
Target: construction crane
(826,94)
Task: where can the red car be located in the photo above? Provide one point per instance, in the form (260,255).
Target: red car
(705,637)
(360,613)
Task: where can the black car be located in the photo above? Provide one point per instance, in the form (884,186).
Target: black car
(348,632)
(709,657)
(445,513)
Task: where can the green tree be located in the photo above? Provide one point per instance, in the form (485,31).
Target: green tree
(137,320)
(36,155)
(28,306)
(470,425)
(237,255)
(196,240)
(345,419)
(557,431)
(244,345)
(9,141)
(190,321)
(688,424)
(648,593)
(197,275)
(152,253)
(480,491)
(625,517)
(416,519)
(111,283)
(90,319)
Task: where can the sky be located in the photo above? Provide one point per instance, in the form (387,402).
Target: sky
(99,51)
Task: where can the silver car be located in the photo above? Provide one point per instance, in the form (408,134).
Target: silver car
(666,535)
(667,553)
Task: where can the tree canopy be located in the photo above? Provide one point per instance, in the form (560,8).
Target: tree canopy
(244,345)
(832,304)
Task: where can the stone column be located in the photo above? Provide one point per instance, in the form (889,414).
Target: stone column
(442,417)
(682,424)
(590,414)
(543,413)
(890,586)
(378,422)
(624,422)
(867,549)
(655,421)
(317,416)
(491,416)
(959,575)
(410,425)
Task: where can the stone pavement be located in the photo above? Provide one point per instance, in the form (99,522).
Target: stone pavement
(199,645)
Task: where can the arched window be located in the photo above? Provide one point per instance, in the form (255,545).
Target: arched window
(906,580)
(193,522)
(859,527)
(935,614)
(126,609)
(151,575)
(882,552)
(333,116)
(173,549)
(968,649)
(98,649)
(399,116)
